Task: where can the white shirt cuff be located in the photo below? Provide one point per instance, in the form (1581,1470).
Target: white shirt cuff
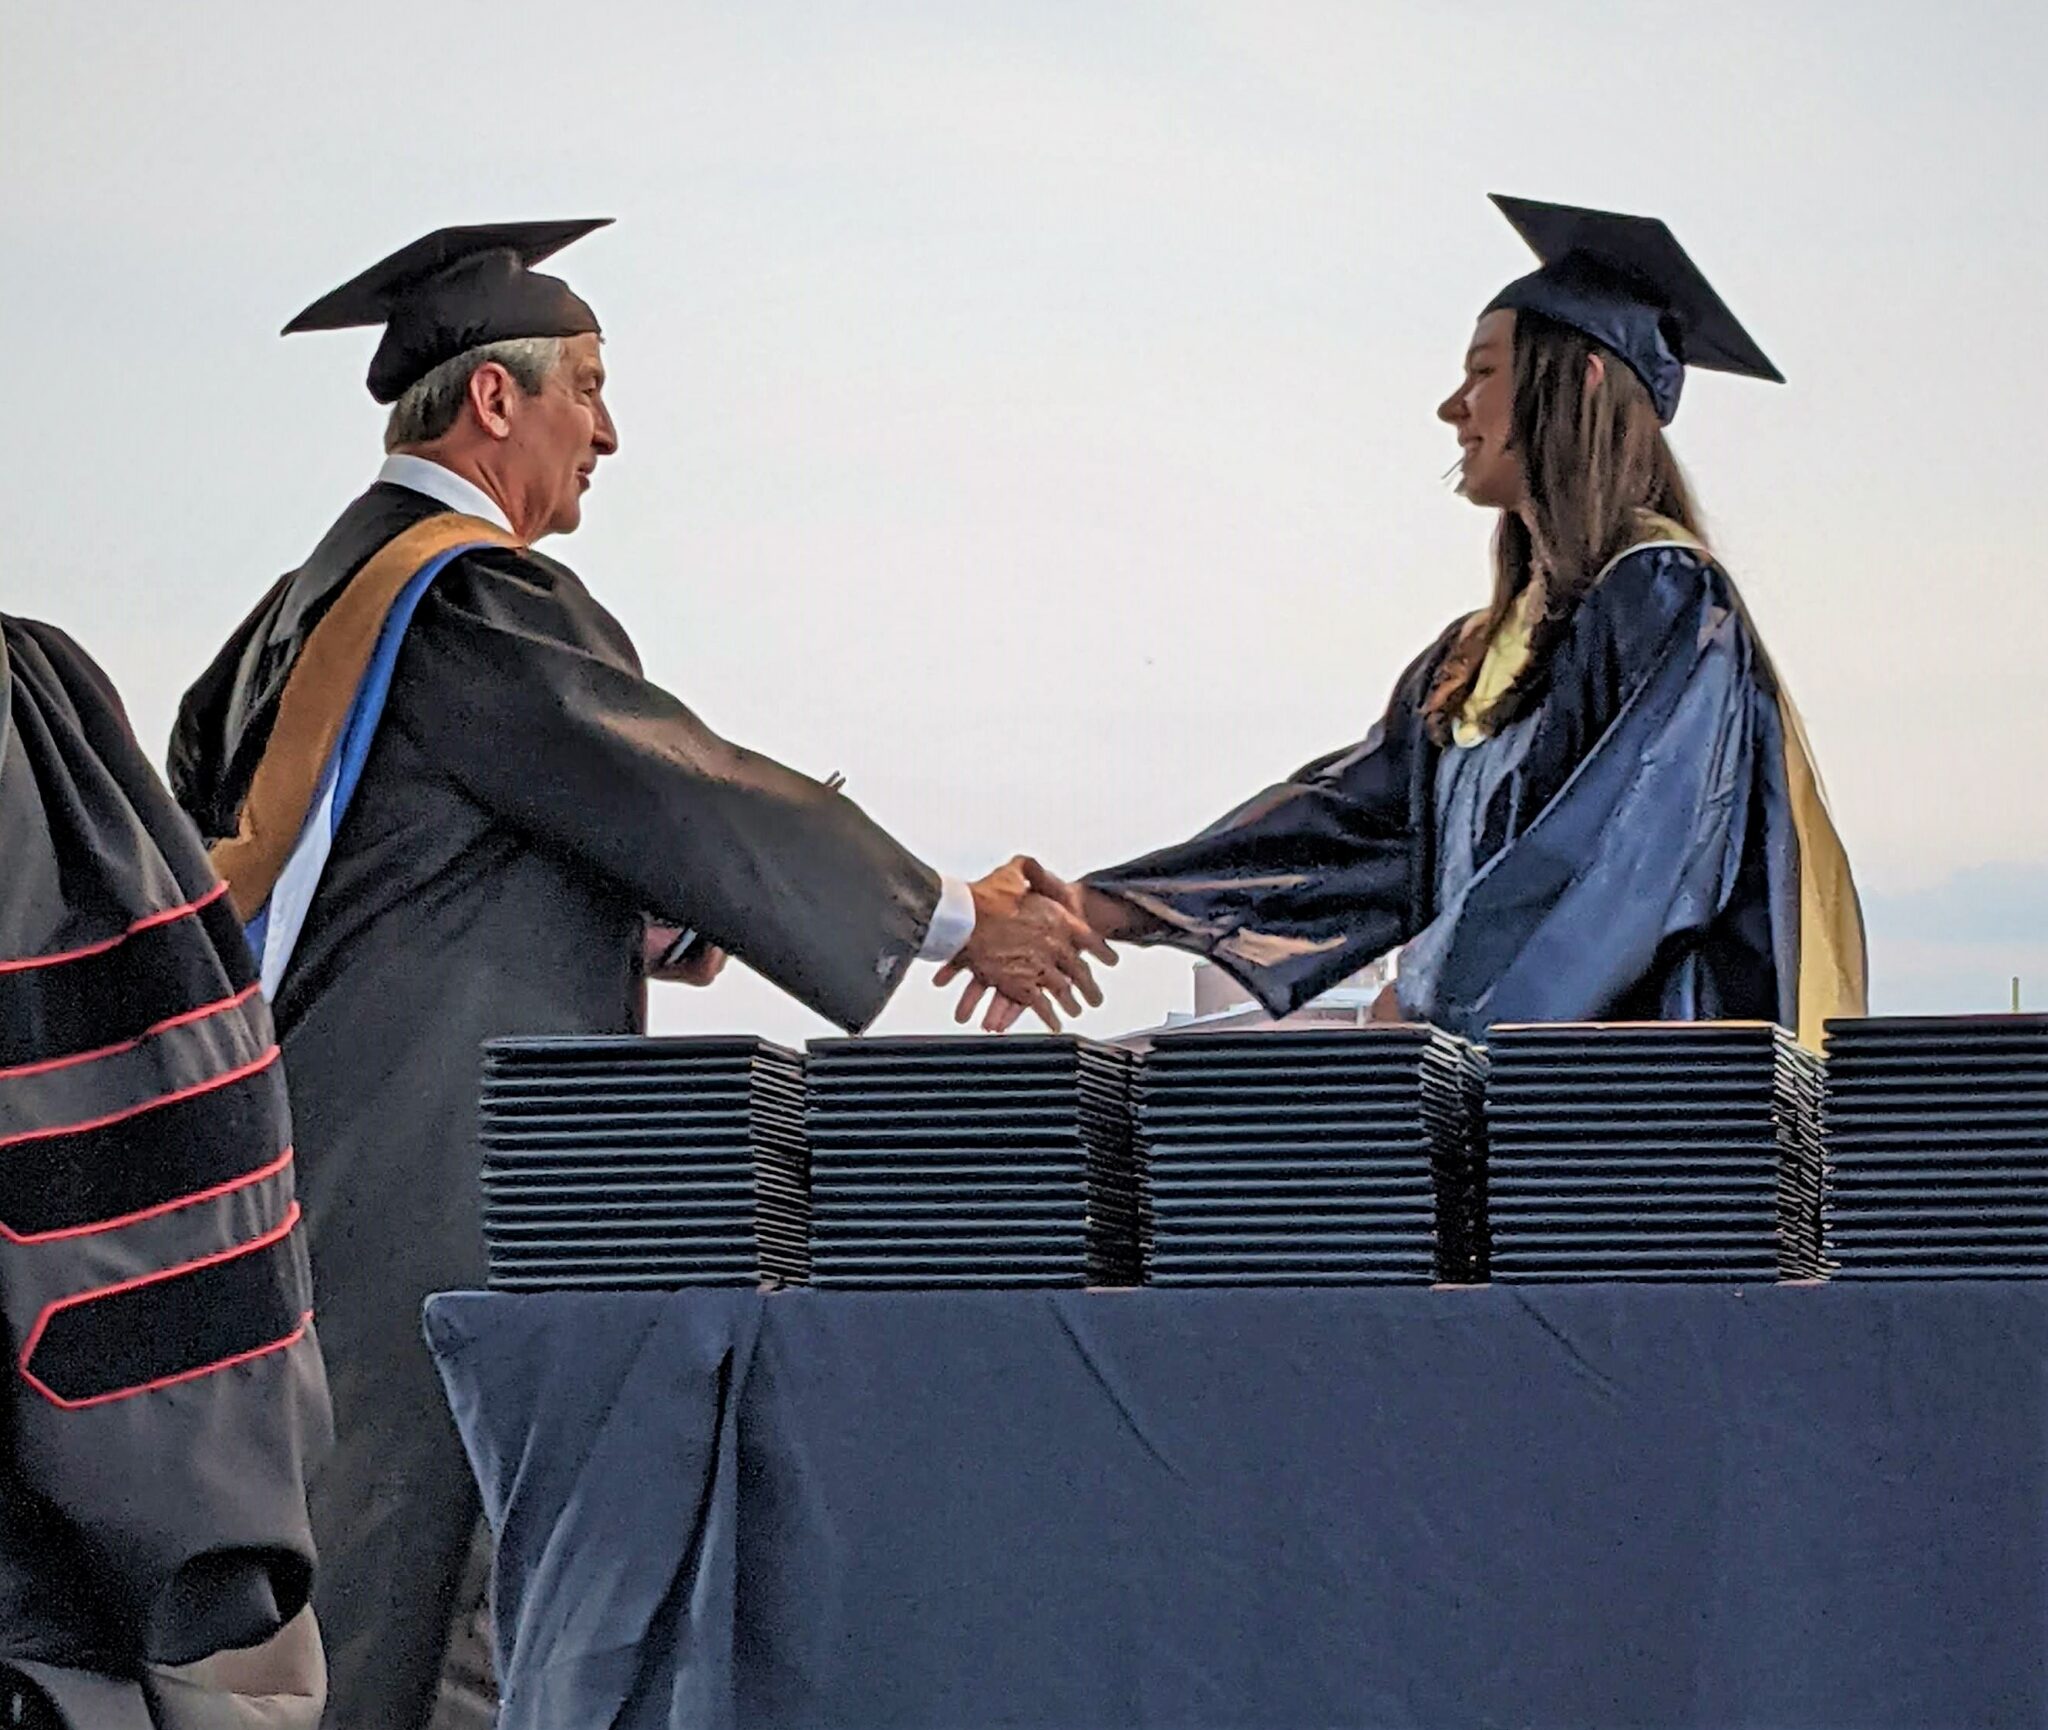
(952,922)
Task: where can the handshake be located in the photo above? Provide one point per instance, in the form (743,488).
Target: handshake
(1033,935)
(1028,953)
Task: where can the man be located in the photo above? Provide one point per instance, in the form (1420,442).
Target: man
(163,1394)
(448,803)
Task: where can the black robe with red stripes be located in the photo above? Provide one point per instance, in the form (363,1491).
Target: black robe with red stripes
(163,1397)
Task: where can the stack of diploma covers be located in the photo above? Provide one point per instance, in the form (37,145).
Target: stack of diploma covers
(1686,1151)
(1937,1143)
(1376,1155)
(1310,1157)
(971,1162)
(642,1164)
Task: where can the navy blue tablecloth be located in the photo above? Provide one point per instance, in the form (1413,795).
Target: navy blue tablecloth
(1567,1506)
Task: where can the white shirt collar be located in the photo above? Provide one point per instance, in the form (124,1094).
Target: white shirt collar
(444,486)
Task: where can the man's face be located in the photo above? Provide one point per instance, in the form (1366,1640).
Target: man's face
(557,435)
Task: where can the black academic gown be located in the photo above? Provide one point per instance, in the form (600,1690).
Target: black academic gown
(163,1396)
(1660,853)
(529,799)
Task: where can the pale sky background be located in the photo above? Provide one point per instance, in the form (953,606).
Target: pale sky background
(1027,409)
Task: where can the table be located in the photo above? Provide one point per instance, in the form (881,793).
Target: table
(1518,1506)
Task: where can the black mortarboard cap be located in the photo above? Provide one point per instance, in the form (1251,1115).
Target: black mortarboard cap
(453,290)
(1627,283)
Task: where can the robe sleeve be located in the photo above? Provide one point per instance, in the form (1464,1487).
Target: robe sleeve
(164,1399)
(1313,879)
(1634,803)
(546,721)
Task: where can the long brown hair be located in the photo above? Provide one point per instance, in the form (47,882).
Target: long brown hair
(1595,460)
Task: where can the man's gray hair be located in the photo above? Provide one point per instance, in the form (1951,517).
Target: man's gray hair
(430,408)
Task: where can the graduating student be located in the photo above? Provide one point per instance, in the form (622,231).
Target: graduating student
(448,801)
(163,1398)
(1591,798)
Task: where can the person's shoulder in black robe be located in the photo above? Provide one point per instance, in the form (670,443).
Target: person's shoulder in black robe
(165,1399)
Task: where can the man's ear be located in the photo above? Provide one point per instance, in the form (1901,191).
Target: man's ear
(1596,370)
(491,389)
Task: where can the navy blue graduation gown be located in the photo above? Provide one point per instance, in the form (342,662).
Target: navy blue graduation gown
(1661,852)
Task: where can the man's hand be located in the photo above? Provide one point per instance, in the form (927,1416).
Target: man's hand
(700,966)
(1028,947)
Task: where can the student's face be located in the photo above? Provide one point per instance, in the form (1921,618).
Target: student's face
(1481,412)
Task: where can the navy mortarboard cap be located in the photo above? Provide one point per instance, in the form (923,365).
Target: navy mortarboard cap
(452,291)
(1627,283)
